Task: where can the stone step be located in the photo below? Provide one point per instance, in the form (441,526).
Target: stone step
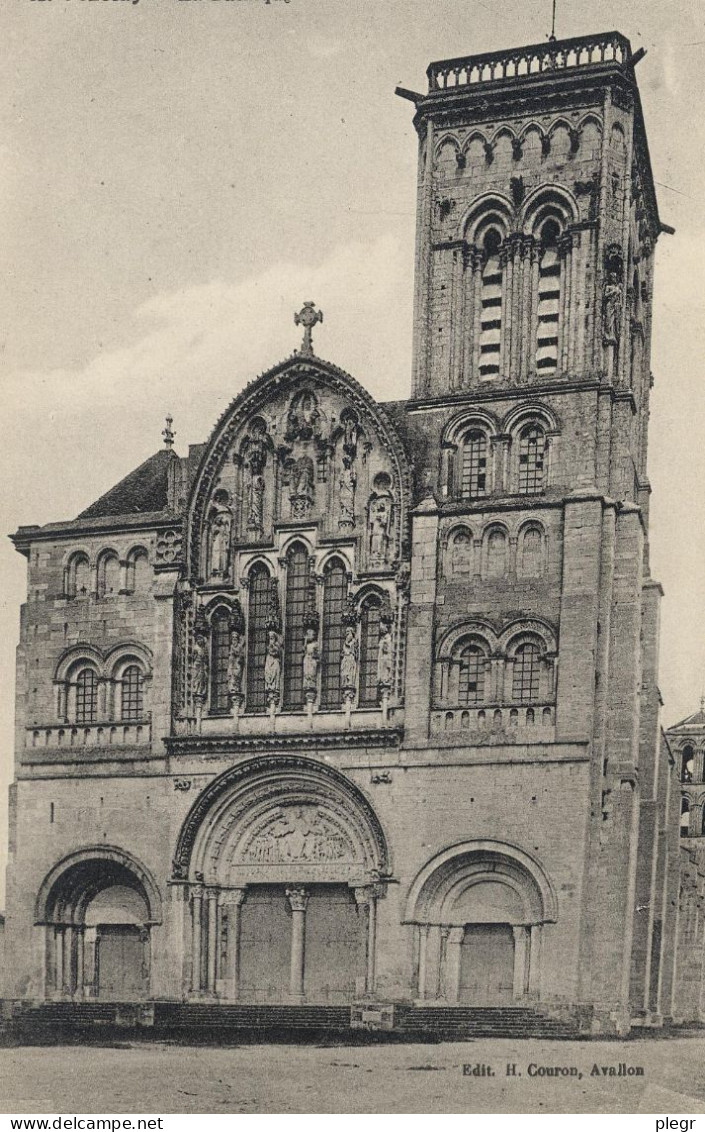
(161,1018)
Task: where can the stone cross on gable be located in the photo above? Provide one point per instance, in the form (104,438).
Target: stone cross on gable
(307,317)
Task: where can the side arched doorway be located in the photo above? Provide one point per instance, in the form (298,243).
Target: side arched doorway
(98,907)
(478,910)
(283,860)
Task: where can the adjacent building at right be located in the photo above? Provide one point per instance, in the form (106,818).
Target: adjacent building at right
(687,743)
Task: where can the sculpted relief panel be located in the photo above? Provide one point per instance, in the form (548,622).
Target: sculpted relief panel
(306,456)
(297,834)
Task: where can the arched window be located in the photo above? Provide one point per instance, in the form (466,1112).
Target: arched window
(471,677)
(525,676)
(532,462)
(496,554)
(137,580)
(531,553)
(548,298)
(335,591)
(132,697)
(86,696)
(369,641)
(220,653)
(474,467)
(78,576)
(461,555)
(261,596)
(687,764)
(491,306)
(298,595)
(108,575)
(685,817)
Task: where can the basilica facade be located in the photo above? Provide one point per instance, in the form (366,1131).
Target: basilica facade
(356,703)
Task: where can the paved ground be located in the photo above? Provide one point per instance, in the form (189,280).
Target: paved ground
(409,1078)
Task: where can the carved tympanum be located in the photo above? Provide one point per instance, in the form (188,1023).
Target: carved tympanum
(299,834)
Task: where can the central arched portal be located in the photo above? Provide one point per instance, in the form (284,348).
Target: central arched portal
(284,861)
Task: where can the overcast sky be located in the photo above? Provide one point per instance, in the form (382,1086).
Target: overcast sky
(177,176)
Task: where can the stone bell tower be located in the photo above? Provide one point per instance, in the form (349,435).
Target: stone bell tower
(536,227)
(536,224)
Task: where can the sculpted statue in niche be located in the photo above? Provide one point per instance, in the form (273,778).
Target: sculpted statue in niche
(611,305)
(256,462)
(311,658)
(200,672)
(346,492)
(612,297)
(302,487)
(303,421)
(350,432)
(236,663)
(273,667)
(349,656)
(380,519)
(385,655)
(220,523)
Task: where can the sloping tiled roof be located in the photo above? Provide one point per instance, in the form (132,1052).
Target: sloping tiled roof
(695,720)
(143,490)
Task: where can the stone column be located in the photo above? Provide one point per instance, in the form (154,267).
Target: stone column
(423,943)
(366,897)
(507,308)
(698,766)
(233,903)
(535,960)
(452,964)
(521,934)
(212,939)
(472,259)
(90,981)
(80,954)
(59,960)
(196,934)
(298,899)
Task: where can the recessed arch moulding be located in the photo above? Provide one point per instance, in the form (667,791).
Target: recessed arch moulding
(281,820)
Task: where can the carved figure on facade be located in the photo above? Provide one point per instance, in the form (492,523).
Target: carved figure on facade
(311,660)
(236,664)
(273,667)
(347,483)
(612,310)
(379,520)
(303,422)
(612,297)
(349,659)
(302,487)
(220,523)
(254,456)
(200,673)
(300,834)
(385,655)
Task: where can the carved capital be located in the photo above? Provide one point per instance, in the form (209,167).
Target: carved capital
(298,899)
(235,896)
